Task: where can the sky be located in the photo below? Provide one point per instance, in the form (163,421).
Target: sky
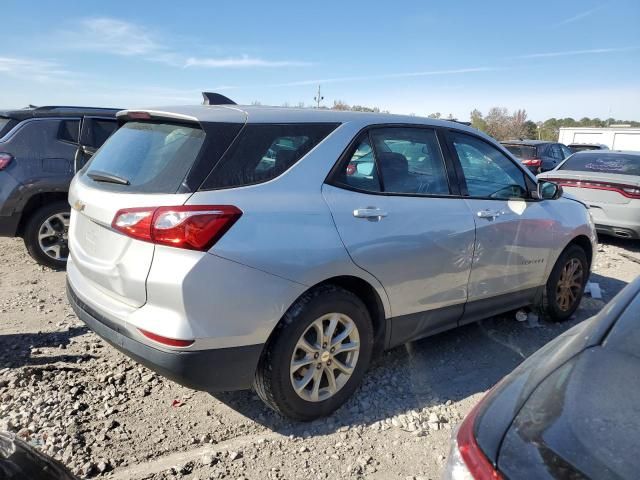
(553,58)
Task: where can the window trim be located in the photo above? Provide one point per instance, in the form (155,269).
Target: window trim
(347,153)
(529,183)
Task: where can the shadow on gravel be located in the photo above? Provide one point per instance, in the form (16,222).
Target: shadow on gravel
(16,348)
(450,366)
(630,245)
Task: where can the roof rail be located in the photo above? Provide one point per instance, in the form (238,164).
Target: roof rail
(47,108)
(211,98)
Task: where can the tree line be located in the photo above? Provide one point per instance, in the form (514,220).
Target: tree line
(499,122)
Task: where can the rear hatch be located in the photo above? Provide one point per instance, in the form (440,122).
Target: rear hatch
(521,151)
(144,164)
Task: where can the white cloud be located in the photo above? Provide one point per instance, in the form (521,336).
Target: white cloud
(579,16)
(568,53)
(361,78)
(118,37)
(40,70)
(241,62)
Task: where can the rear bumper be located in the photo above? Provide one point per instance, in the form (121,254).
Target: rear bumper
(213,370)
(621,231)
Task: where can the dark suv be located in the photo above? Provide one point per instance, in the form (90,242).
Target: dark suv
(40,150)
(538,155)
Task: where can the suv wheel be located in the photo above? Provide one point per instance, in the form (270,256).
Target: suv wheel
(317,355)
(566,283)
(46,235)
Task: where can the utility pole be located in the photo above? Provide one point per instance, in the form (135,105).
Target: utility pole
(318,98)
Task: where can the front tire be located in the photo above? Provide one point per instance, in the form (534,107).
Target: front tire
(317,355)
(566,284)
(46,235)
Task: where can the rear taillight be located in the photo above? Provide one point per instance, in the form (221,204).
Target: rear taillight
(532,162)
(171,342)
(5,160)
(629,191)
(194,227)
(476,462)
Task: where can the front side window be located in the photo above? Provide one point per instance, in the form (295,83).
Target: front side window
(262,152)
(565,151)
(488,173)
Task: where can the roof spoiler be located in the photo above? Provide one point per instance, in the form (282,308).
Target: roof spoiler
(211,98)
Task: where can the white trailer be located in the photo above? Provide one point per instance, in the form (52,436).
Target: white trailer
(616,138)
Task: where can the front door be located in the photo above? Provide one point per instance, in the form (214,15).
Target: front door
(393,204)
(513,231)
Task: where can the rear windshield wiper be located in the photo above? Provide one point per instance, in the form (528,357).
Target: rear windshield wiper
(105,177)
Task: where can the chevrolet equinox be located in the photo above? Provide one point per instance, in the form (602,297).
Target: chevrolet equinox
(231,247)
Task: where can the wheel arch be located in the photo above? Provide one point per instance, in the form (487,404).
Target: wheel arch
(34,203)
(583,242)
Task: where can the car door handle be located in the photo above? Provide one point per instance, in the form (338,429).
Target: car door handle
(370,213)
(490,214)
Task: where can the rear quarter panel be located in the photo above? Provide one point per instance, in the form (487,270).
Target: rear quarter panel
(286,228)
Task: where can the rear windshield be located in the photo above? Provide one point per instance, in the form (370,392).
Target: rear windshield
(264,151)
(522,151)
(152,157)
(582,148)
(593,161)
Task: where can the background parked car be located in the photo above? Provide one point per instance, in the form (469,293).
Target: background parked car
(581,147)
(288,273)
(569,411)
(40,149)
(609,183)
(538,156)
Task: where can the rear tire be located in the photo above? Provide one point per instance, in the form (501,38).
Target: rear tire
(565,287)
(307,370)
(45,235)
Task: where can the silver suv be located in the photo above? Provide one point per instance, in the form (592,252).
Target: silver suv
(232,247)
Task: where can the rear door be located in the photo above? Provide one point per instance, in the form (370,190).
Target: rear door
(151,160)
(513,232)
(396,208)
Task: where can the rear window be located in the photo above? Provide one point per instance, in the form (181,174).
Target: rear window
(264,151)
(522,151)
(620,163)
(69,131)
(153,157)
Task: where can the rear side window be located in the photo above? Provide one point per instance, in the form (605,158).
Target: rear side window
(522,151)
(596,161)
(152,157)
(69,131)
(4,125)
(264,151)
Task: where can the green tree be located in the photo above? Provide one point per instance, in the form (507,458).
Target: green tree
(477,121)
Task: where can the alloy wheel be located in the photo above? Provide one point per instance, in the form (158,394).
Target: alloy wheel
(53,236)
(325,357)
(569,284)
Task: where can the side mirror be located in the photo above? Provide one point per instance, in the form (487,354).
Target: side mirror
(549,190)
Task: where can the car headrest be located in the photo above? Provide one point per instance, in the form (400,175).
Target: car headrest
(393,163)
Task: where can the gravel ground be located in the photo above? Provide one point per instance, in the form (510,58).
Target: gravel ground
(79,400)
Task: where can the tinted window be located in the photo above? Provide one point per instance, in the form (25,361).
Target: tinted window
(488,173)
(264,151)
(409,161)
(596,161)
(554,152)
(96,131)
(360,171)
(565,151)
(4,122)
(522,151)
(153,157)
(69,131)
